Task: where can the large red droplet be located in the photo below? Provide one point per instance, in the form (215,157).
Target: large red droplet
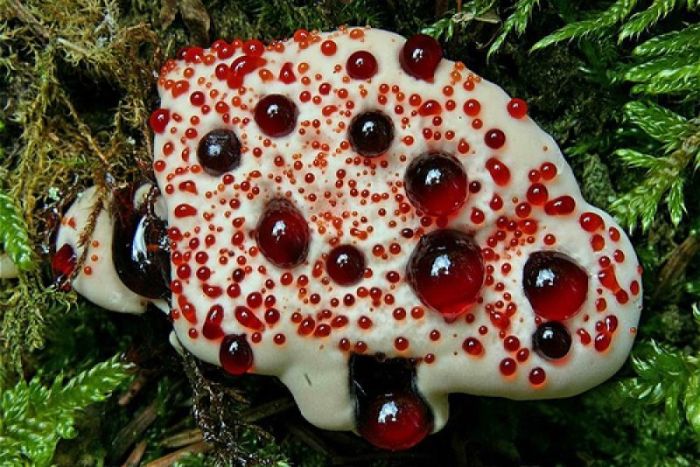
(345,265)
(283,234)
(420,56)
(235,354)
(395,421)
(276,115)
(140,247)
(371,133)
(554,284)
(63,265)
(219,151)
(361,65)
(436,183)
(446,271)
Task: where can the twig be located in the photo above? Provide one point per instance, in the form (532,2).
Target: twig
(184,438)
(133,430)
(267,409)
(677,262)
(134,388)
(134,458)
(173,457)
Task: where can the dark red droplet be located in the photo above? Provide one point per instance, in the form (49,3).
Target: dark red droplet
(159,120)
(508,366)
(140,247)
(472,346)
(361,65)
(283,234)
(395,421)
(276,115)
(590,221)
(554,284)
(235,354)
(495,138)
(551,340)
(219,151)
(517,108)
(420,56)
(63,265)
(537,376)
(446,271)
(371,133)
(436,183)
(345,265)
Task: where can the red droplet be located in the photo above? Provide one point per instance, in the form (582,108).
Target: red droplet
(159,120)
(602,341)
(276,115)
(219,151)
(511,343)
(472,107)
(246,317)
(446,271)
(508,366)
(345,265)
(551,340)
(537,376)
(212,324)
(283,234)
(499,171)
(240,67)
(371,133)
(517,108)
(420,56)
(560,206)
(395,421)
(430,107)
(472,346)
(554,284)
(361,65)
(328,48)
(253,47)
(590,221)
(495,138)
(185,210)
(537,194)
(63,265)
(436,183)
(287,75)
(235,354)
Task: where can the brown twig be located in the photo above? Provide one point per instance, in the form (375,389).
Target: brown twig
(134,388)
(170,459)
(677,263)
(133,430)
(134,458)
(184,438)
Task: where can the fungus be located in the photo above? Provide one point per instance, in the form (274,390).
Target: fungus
(320,230)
